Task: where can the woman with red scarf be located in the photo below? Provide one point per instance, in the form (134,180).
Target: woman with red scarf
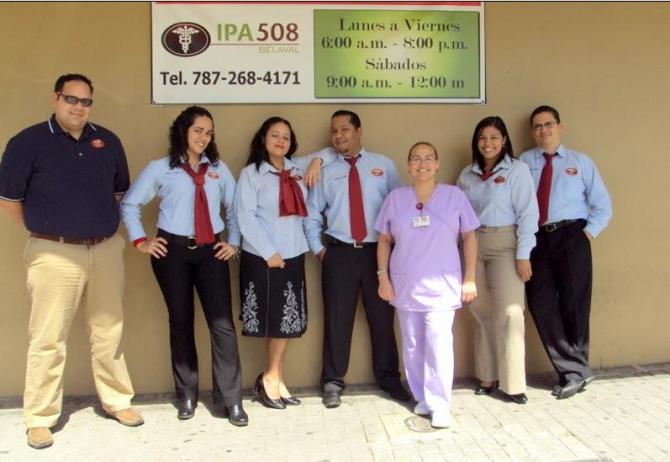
(270,207)
(190,252)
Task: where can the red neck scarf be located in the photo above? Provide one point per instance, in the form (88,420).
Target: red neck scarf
(204,234)
(291,200)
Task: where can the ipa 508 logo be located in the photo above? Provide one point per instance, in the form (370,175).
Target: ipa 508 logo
(190,39)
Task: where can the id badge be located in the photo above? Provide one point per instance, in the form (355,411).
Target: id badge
(421,221)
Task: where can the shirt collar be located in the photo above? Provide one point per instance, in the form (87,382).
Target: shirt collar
(539,152)
(267,167)
(203,160)
(342,158)
(505,163)
(56,129)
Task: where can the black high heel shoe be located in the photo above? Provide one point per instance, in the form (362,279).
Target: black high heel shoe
(261,394)
(482,390)
(290,401)
(519,398)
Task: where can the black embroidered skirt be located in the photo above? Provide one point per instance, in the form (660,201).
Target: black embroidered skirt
(274,300)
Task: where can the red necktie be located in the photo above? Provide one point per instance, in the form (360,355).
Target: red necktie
(291,200)
(485,176)
(356,213)
(544,188)
(204,234)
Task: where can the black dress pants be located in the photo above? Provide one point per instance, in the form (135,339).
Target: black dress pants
(178,273)
(559,298)
(346,273)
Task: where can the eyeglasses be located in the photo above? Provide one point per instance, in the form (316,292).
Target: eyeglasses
(547,125)
(418,160)
(73,100)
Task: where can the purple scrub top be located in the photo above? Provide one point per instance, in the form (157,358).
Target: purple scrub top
(425,265)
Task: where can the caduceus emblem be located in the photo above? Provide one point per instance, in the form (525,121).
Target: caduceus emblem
(185,39)
(185,36)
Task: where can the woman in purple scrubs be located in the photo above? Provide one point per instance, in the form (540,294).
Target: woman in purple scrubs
(421,275)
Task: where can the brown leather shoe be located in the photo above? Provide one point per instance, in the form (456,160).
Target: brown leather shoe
(39,437)
(128,417)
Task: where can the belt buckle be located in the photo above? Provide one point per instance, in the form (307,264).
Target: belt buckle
(551,227)
(358,245)
(194,246)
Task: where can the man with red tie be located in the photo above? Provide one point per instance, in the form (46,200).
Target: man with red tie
(574,208)
(349,195)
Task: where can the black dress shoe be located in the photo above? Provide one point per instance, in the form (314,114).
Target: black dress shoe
(291,401)
(237,416)
(571,388)
(520,398)
(399,393)
(331,399)
(557,389)
(261,394)
(482,390)
(186,409)
(587,380)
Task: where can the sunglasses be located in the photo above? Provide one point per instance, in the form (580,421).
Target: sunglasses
(73,100)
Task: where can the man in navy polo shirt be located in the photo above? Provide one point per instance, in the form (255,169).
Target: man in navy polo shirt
(62,179)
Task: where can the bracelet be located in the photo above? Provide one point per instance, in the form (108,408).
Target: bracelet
(381,271)
(138,241)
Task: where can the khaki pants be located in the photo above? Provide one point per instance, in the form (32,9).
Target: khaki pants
(60,278)
(499,336)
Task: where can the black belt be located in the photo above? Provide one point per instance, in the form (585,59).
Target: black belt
(185,241)
(551,227)
(66,240)
(356,245)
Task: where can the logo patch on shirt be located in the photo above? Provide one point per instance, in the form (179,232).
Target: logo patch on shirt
(571,171)
(377,171)
(213,175)
(97,143)
(499,179)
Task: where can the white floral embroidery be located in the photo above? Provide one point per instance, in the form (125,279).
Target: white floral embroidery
(303,307)
(249,309)
(290,322)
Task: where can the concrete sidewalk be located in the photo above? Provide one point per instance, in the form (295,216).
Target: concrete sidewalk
(623,416)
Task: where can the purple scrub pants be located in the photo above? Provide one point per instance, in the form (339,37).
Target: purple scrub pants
(428,356)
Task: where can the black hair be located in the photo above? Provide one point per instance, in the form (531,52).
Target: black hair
(545,108)
(353,117)
(178,136)
(497,123)
(257,151)
(63,79)
(422,143)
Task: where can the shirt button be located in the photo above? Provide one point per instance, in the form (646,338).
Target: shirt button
(81,154)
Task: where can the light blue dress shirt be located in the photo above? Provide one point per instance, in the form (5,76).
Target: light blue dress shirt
(264,232)
(577,190)
(506,198)
(176,191)
(331,196)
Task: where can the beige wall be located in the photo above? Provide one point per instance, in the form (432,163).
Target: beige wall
(604,66)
